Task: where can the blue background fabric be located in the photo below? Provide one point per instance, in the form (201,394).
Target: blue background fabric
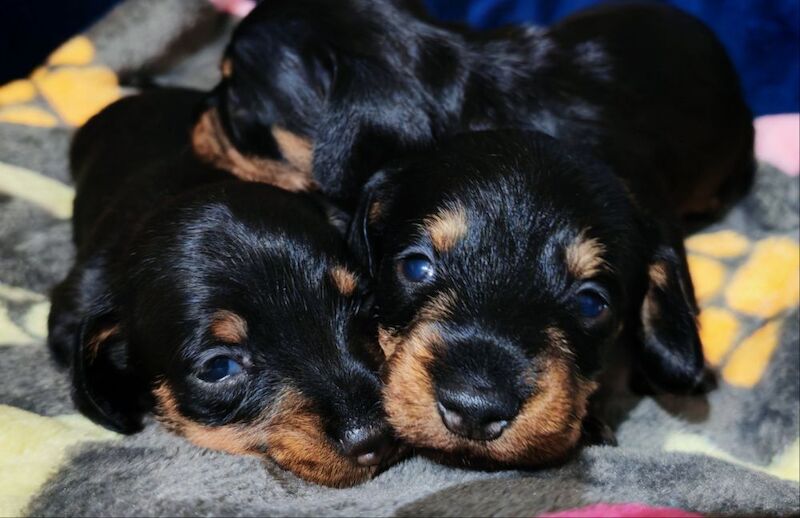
(762,36)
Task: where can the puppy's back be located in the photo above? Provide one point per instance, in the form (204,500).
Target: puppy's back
(127,154)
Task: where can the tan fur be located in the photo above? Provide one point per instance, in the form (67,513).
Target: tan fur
(446,228)
(298,443)
(658,275)
(375,211)
(547,428)
(388,340)
(438,308)
(212,145)
(290,434)
(94,343)
(344,280)
(226,68)
(296,150)
(584,257)
(558,340)
(228,327)
(408,394)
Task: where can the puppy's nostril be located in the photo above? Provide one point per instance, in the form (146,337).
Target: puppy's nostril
(474,416)
(367,446)
(452,419)
(493,429)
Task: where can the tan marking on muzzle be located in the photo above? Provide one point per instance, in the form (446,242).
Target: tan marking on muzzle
(547,428)
(289,433)
(557,339)
(438,308)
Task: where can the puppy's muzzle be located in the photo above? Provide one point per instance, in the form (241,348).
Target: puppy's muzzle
(476,390)
(367,446)
(474,414)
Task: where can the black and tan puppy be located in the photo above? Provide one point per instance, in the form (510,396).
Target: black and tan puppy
(229,309)
(342,87)
(507,270)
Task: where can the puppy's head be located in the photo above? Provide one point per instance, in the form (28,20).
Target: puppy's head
(337,85)
(505,269)
(238,320)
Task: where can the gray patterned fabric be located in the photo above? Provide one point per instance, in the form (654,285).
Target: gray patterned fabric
(734,452)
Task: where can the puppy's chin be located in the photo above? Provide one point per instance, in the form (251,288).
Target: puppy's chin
(289,433)
(293,172)
(546,430)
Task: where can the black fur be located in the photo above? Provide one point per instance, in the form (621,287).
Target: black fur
(644,87)
(163,243)
(526,199)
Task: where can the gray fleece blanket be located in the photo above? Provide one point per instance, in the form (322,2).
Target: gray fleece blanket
(735,451)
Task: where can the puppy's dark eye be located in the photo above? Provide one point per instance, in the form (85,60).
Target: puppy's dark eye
(219,368)
(416,268)
(591,304)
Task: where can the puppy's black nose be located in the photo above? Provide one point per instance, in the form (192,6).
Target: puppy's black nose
(368,446)
(477,415)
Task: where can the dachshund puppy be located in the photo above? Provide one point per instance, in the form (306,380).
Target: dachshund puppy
(508,269)
(230,310)
(341,87)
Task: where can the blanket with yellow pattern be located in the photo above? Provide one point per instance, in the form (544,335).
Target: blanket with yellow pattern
(734,452)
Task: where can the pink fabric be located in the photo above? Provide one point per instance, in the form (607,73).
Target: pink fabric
(620,511)
(778,141)
(238,8)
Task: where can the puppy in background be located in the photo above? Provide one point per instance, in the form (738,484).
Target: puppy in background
(232,311)
(342,87)
(508,271)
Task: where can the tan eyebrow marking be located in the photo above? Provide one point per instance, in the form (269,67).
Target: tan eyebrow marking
(228,327)
(344,280)
(584,257)
(446,228)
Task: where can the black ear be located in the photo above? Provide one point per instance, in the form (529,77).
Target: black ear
(367,223)
(670,355)
(104,387)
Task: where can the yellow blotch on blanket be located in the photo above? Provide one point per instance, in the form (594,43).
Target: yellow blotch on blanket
(11,333)
(707,276)
(784,465)
(718,330)
(47,193)
(32,326)
(28,115)
(747,364)
(77,51)
(35,320)
(19,91)
(723,244)
(769,282)
(78,93)
(33,447)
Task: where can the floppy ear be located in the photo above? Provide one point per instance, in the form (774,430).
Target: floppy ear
(368,221)
(670,355)
(104,387)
